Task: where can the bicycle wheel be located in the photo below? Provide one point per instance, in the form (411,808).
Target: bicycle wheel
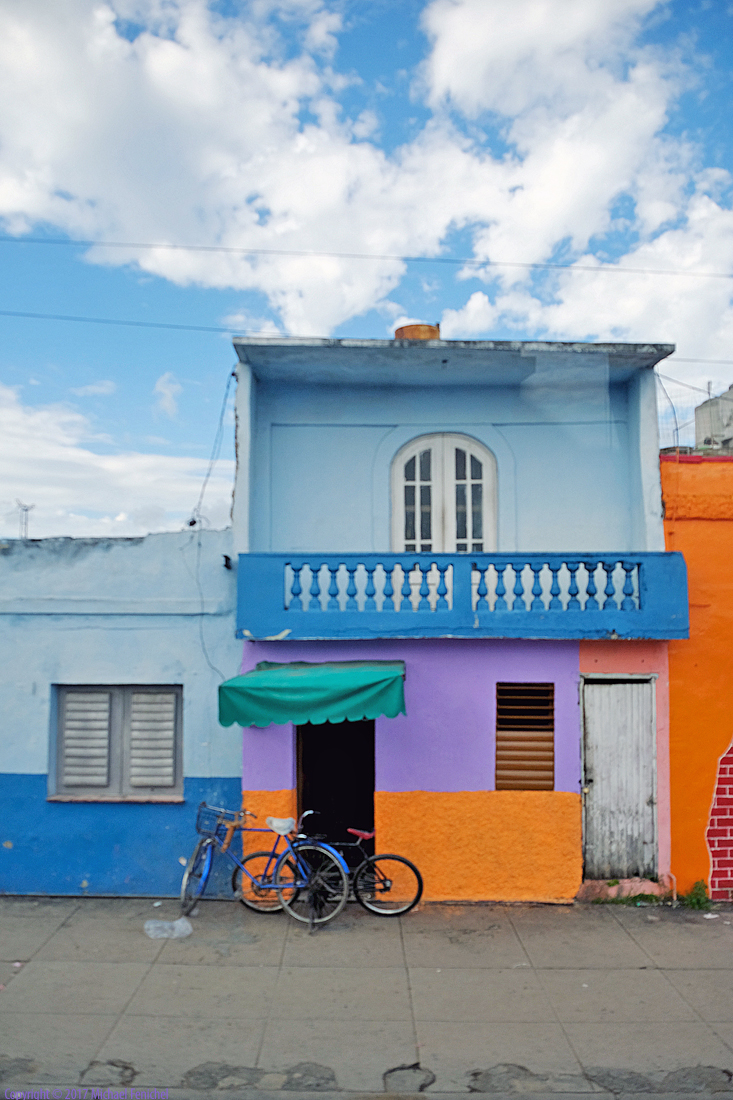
(313,888)
(196,874)
(251,893)
(388,885)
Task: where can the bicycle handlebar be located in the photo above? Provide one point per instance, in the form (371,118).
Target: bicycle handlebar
(232,826)
(305,813)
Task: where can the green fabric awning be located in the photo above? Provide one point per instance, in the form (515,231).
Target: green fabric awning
(301,692)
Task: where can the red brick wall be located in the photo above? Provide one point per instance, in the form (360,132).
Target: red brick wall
(720,832)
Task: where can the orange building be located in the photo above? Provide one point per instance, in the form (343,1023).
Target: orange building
(698,499)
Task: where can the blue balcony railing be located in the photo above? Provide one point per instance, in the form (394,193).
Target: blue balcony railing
(299,596)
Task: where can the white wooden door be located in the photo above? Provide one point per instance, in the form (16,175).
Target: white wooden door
(620,781)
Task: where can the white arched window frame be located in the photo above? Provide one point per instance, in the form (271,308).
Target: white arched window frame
(444,496)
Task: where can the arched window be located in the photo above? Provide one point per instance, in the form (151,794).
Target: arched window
(444,496)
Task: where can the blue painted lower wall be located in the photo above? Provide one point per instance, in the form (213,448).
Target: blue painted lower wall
(112,848)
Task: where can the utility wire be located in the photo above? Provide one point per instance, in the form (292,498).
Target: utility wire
(674,411)
(215,452)
(115,321)
(463,261)
(196,521)
(698,389)
(202,604)
(228,331)
(231,331)
(722,362)
(687,385)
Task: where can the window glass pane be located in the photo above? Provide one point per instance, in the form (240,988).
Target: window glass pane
(425,520)
(426,546)
(410,512)
(461,547)
(477,520)
(477,547)
(460,511)
(425,466)
(410,470)
(460,464)
(477,469)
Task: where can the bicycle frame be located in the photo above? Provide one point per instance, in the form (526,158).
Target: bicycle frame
(320,838)
(276,859)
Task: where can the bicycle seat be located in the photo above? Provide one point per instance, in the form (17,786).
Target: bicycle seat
(360,833)
(281,825)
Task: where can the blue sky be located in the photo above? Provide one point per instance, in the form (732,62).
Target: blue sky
(542,131)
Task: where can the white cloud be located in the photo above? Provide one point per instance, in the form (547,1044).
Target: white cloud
(477,316)
(194,132)
(44,462)
(95,389)
(366,125)
(488,55)
(693,313)
(249,324)
(167,388)
(204,114)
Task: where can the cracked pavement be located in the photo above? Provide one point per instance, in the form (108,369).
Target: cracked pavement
(507,1000)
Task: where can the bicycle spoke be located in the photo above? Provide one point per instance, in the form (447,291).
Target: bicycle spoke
(196,875)
(388,885)
(312,886)
(258,895)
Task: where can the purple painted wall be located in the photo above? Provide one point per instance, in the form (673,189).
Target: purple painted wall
(445,742)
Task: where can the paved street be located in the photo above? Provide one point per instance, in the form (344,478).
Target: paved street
(498,999)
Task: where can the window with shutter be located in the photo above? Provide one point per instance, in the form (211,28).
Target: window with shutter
(152,739)
(525,737)
(119,743)
(85,738)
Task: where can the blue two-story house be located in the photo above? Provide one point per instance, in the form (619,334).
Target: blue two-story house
(477,527)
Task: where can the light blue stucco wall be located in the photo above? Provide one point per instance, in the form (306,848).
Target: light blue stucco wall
(568,459)
(156,610)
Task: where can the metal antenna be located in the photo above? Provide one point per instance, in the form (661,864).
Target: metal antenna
(23,510)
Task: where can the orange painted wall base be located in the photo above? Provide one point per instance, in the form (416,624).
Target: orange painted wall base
(469,845)
(266,804)
(486,845)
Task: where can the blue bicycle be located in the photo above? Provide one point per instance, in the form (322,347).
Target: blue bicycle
(306,878)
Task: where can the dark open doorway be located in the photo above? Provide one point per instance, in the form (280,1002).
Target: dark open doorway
(336,777)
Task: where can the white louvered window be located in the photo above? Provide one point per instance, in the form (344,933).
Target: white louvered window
(119,743)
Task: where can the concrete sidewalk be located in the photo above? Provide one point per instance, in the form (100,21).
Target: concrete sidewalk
(503,999)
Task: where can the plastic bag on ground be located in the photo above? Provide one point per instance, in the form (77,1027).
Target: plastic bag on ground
(168,929)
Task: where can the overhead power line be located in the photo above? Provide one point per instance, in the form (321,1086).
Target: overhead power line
(674,412)
(231,331)
(462,261)
(119,321)
(687,385)
(215,453)
(721,362)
